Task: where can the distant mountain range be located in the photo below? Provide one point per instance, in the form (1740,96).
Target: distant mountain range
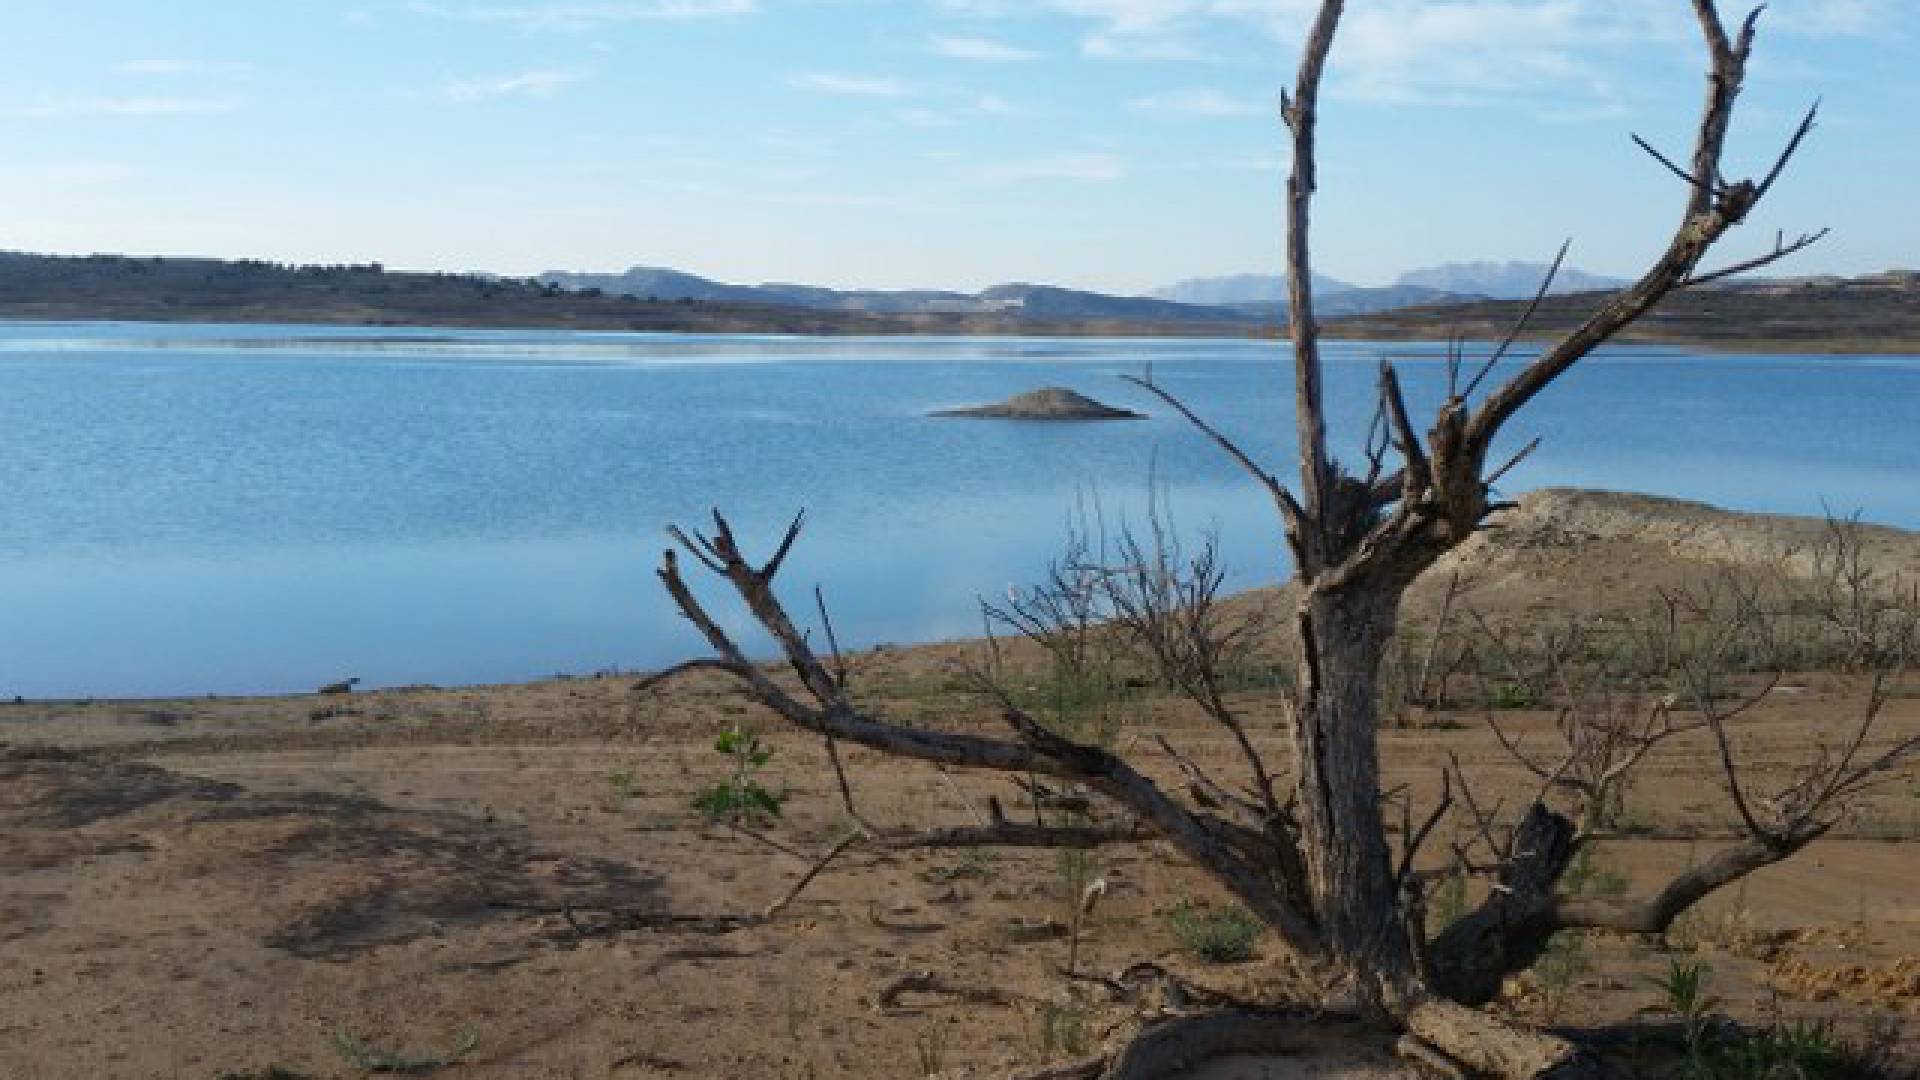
(1264,296)
(1237,298)
(1236,289)
(1245,298)
(1019,299)
(1429,284)
(1505,280)
(1874,313)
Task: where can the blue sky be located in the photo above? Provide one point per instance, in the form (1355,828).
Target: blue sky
(1110,144)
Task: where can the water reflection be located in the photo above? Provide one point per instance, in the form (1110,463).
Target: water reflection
(201,509)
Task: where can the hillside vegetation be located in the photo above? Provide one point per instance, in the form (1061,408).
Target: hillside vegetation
(1880,313)
(209,290)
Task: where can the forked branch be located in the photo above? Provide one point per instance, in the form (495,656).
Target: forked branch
(1038,750)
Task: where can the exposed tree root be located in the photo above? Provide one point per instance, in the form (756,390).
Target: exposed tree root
(1443,1039)
(1489,1046)
(1165,1049)
(888,996)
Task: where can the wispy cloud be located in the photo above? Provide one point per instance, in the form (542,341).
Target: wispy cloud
(132,106)
(521,84)
(980,48)
(1196,101)
(829,82)
(1436,53)
(1083,168)
(574,17)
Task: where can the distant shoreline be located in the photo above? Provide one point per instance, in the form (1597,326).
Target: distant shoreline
(1431,326)
(1871,315)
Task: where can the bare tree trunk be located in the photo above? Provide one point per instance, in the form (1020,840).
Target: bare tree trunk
(1343,639)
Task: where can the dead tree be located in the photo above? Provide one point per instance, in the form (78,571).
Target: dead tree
(1306,849)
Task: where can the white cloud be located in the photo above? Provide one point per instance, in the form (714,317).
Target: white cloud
(573,17)
(1084,168)
(979,48)
(522,84)
(1437,51)
(1196,101)
(132,106)
(828,82)
(992,105)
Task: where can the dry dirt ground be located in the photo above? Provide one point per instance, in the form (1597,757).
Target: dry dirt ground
(512,877)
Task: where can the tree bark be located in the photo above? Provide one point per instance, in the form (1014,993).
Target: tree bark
(1343,638)
(1470,959)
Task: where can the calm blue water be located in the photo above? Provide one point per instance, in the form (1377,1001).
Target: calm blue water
(195,509)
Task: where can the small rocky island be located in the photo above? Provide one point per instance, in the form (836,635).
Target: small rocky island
(1046,403)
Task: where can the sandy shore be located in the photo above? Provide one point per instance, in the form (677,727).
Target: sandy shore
(512,876)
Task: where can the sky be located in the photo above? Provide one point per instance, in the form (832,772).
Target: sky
(1106,144)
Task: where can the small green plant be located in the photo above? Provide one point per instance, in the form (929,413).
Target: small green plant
(622,783)
(1060,1030)
(1217,937)
(1079,869)
(1449,903)
(930,1048)
(740,797)
(1684,990)
(372,1058)
(1803,1050)
(973,863)
(1587,876)
(1512,695)
(1561,963)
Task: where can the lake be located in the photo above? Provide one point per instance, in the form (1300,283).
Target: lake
(236,509)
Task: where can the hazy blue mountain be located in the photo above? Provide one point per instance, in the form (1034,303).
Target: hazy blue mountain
(1234,289)
(1016,298)
(654,282)
(1360,301)
(1504,280)
(1052,302)
(887,301)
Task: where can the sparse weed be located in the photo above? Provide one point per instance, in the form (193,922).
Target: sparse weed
(1801,1050)
(373,1058)
(1684,990)
(623,786)
(1587,876)
(930,1048)
(1561,964)
(740,797)
(1512,695)
(1449,903)
(1217,937)
(973,864)
(1059,1031)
